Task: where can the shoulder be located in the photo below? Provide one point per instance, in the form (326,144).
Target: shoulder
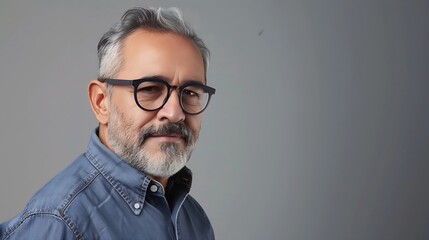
(45,212)
(195,210)
(38,224)
(192,203)
(194,215)
(65,186)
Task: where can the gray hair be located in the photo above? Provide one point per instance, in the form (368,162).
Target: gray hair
(159,20)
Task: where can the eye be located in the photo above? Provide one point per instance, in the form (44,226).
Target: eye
(189,93)
(150,89)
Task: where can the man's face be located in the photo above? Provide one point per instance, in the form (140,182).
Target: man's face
(158,143)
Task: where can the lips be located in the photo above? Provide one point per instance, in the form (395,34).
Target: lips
(167,136)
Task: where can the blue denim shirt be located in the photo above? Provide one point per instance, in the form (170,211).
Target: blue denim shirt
(99,196)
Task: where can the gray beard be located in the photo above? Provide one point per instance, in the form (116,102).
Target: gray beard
(163,163)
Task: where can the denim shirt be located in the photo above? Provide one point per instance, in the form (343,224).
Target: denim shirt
(99,196)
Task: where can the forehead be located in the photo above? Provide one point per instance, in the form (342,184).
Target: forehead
(148,53)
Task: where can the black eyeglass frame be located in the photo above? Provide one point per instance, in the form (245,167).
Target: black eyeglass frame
(136,82)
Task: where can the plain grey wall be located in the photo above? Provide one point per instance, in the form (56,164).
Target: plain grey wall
(319,128)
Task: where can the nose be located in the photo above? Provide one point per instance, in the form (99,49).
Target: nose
(172,111)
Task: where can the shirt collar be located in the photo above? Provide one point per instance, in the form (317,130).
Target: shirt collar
(130,183)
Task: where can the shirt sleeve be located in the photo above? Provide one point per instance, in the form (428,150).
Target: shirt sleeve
(39,226)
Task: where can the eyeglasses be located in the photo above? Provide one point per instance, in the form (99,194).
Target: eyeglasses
(152,93)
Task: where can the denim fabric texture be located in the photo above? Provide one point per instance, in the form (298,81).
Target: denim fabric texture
(99,196)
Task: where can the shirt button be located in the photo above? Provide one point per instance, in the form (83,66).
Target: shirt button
(153,188)
(137,205)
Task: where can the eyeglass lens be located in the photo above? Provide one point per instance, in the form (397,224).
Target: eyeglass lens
(152,95)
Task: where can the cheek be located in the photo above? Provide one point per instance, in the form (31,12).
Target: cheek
(133,115)
(194,123)
(143,119)
(137,119)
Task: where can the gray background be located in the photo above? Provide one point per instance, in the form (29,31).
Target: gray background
(319,128)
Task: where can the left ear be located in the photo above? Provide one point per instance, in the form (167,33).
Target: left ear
(99,100)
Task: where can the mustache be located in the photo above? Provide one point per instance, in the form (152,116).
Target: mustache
(179,129)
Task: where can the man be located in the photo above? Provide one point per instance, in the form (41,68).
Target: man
(132,182)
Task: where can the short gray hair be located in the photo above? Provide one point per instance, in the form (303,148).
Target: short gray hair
(158,20)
